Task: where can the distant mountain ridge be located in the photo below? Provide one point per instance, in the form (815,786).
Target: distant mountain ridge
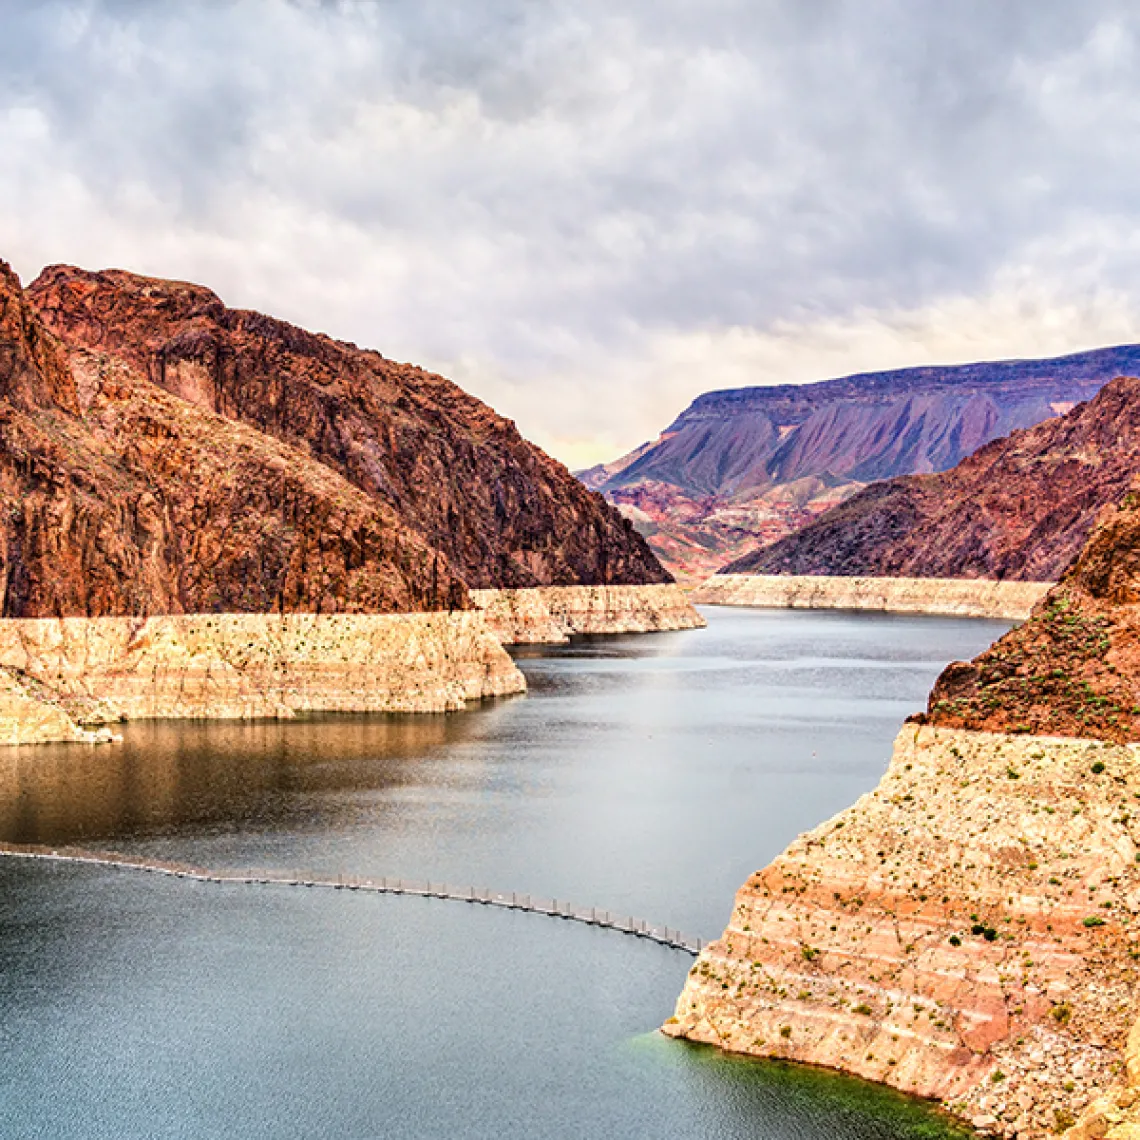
(1019,508)
(748,465)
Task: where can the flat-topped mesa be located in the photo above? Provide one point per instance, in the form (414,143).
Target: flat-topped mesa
(970,930)
(1021,508)
(504,513)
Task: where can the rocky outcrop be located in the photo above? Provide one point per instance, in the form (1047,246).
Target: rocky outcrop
(236,666)
(126,500)
(968,931)
(502,513)
(1073,669)
(552,614)
(753,464)
(30,713)
(215,513)
(973,597)
(1020,508)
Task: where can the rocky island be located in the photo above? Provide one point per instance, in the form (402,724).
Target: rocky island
(214,513)
(970,930)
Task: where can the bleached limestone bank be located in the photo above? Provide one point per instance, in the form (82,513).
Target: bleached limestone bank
(57,674)
(551,614)
(968,931)
(956,597)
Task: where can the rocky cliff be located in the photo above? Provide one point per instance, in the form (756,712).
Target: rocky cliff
(123,499)
(551,615)
(1020,508)
(743,468)
(970,930)
(211,513)
(955,597)
(1073,669)
(502,512)
(239,666)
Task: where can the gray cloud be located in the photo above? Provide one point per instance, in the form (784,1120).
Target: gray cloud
(563,202)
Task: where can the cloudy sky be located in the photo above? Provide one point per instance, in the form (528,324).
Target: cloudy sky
(589,212)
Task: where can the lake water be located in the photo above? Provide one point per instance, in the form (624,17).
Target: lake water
(646,774)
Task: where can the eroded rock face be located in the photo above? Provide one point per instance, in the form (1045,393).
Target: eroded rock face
(1073,669)
(1020,508)
(125,500)
(240,666)
(550,615)
(502,512)
(958,597)
(968,931)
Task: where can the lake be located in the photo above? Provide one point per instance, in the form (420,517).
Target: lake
(646,774)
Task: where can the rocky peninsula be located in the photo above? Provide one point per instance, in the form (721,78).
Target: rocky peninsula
(213,513)
(970,930)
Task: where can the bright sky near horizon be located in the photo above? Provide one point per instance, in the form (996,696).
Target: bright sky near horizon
(585,212)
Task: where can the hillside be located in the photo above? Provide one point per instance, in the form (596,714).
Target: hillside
(125,500)
(745,467)
(1073,669)
(1020,508)
(502,512)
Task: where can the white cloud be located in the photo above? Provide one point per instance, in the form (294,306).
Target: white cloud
(590,213)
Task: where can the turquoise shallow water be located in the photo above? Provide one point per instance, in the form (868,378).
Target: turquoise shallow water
(646,774)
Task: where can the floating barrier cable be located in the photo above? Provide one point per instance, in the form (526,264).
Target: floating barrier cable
(553,908)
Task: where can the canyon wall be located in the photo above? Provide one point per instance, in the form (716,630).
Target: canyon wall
(968,931)
(971,929)
(552,614)
(742,468)
(973,597)
(73,672)
(498,510)
(1022,507)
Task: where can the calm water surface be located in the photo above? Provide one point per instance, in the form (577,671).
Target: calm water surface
(647,774)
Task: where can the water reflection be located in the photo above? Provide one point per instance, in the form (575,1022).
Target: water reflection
(172,775)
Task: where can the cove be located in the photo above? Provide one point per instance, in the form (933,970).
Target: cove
(647,774)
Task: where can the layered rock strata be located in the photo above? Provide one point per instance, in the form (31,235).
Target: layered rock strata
(1021,507)
(84,671)
(740,469)
(973,597)
(968,931)
(552,614)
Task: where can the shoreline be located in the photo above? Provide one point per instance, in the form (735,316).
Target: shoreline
(68,679)
(62,678)
(947,597)
(963,932)
(551,615)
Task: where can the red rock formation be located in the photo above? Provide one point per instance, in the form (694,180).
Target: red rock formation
(1073,669)
(1021,507)
(970,930)
(742,457)
(122,499)
(503,512)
